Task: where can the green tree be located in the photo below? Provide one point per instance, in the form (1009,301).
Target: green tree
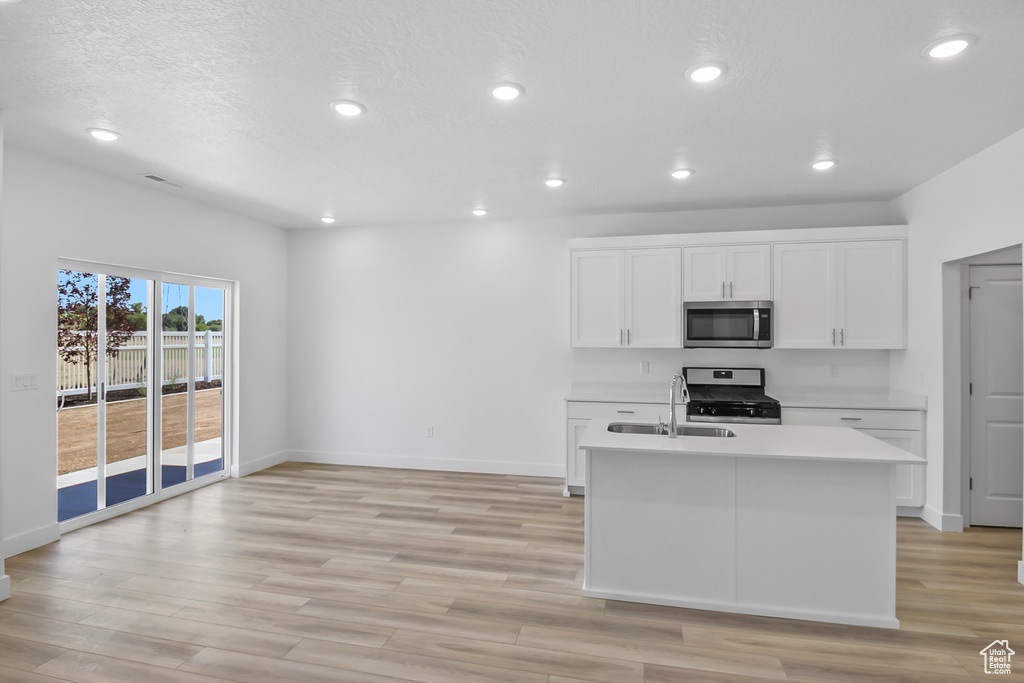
(78,316)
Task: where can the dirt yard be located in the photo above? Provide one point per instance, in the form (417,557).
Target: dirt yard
(126,428)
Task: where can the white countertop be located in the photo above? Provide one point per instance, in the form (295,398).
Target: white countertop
(836,444)
(608,392)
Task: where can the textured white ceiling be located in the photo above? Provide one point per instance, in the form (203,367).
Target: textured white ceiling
(230,98)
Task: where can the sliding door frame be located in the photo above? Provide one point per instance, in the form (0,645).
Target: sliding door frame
(229,386)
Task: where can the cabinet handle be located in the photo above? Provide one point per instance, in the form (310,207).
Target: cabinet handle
(723,289)
(730,289)
(626,412)
(627,336)
(842,335)
(833,337)
(851,419)
(620,337)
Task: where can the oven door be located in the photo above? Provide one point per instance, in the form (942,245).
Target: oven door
(727,324)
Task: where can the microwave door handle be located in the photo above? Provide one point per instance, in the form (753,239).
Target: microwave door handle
(757,324)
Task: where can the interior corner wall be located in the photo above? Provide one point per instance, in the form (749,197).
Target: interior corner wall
(50,210)
(461,329)
(973,208)
(5,581)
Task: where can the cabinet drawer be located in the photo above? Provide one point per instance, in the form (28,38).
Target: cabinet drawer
(625,412)
(858,419)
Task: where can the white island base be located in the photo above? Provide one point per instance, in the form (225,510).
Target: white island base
(769,534)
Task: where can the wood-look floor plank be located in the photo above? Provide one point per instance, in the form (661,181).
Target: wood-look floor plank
(18,676)
(645,651)
(444,624)
(234,666)
(86,667)
(517,657)
(138,648)
(202,634)
(308,572)
(420,668)
(289,624)
(20,653)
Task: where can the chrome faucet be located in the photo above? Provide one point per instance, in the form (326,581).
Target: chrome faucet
(684,395)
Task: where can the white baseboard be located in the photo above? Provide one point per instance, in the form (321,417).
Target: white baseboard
(22,543)
(941,521)
(908,511)
(246,468)
(438,464)
(5,587)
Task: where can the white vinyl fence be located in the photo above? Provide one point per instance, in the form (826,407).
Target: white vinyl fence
(128,369)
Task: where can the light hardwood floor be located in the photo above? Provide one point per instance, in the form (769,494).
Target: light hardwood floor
(322,573)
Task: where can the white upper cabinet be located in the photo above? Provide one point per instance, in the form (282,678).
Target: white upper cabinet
(598,301)
(741,272)
(840,295)
(627,297)
(871,295)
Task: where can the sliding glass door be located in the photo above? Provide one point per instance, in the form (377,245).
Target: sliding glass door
(103,455)
(121,434)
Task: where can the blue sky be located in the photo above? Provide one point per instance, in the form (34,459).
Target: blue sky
(209,301)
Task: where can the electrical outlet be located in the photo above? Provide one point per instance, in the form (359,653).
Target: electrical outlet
(645,368)
(833,370)
(430,431)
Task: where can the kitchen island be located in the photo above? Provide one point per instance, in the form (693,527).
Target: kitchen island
(784,521)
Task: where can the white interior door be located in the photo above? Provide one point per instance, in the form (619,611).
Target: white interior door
(997,396)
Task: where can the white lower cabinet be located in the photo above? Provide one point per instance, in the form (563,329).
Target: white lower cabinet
(901,428)
(579,414)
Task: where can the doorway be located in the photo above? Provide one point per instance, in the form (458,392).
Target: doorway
(995,396)
(141,395)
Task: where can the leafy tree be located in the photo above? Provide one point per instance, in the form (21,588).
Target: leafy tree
(176,319)
(78,314)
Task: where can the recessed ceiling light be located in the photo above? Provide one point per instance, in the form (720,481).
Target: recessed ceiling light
(327,219)
(479,212)
(506,91)
(103,134)
(348,107)
(554,182)
(949,46)
(681,173)
(705,73)
(823,165)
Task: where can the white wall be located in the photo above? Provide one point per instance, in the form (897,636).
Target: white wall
(51,210)
(973,208)
(5,581)
(463,327)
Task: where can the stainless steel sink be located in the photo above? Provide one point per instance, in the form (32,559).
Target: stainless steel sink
(681,430)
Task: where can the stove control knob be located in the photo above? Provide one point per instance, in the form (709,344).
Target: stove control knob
(713,411)
(753,412)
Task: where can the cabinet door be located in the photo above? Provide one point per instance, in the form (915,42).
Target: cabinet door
(705,273)
(653,298)
(871,295)
(909,478)
(598,303)
(749,268)
(576,463)
(804,294)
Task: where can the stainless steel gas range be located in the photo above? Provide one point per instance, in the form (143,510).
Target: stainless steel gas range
(730,395)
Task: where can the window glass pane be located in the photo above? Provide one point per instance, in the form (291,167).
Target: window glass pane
(209,373)
(127,435)
(77,337)
(175,326)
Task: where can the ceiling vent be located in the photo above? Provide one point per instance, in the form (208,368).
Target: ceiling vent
(160,179)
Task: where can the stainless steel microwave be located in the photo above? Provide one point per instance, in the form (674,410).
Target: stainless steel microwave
(728,324)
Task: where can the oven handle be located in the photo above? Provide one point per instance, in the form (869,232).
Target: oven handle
(735,420)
